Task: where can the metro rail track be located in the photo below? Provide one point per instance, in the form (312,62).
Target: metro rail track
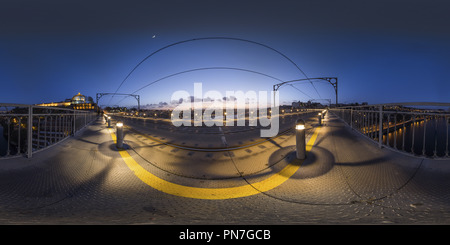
(216,149)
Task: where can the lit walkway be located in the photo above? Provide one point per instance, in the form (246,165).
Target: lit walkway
(345,179)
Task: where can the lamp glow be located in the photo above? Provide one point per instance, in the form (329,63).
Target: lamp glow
(119,124)
(300,127)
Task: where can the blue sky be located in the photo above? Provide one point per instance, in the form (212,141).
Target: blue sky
(381,51)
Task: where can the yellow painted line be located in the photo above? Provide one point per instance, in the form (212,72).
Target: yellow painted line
(214,193)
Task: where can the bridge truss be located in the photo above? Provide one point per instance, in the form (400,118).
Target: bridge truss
(332,80)
(136,96)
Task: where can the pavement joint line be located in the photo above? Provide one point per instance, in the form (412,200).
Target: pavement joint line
(214,193)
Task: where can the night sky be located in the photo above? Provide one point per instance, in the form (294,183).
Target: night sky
(381,51)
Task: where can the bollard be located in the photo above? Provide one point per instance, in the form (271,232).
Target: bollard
(320,119)
(109,122)
(119,135)
(300,139)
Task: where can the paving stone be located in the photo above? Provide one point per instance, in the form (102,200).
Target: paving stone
(346,179)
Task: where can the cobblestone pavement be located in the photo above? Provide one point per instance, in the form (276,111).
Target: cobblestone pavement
(346,179)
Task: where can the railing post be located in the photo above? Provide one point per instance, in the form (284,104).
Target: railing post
(447,121)
(413,131)
(435,136)
(30,132)
(424,134)
(380,132)
(388,128)
(351,117)
(74,119)
(403,133)
(395,130)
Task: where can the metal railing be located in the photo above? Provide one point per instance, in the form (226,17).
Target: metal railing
(25,129)
(406,127)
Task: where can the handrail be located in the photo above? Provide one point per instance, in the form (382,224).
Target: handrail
(423,132)
(23,133)
(443,104)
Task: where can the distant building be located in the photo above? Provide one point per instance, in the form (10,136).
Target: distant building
(78,102)
(298,105)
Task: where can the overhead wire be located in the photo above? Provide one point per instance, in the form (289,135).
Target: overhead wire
(301,91)
(203,69)
(210,38)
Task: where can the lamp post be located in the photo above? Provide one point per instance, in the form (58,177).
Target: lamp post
(300,139)
(119,135)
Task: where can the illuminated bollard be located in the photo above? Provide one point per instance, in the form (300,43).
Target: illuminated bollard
(320,119)
(109,122)
(300,139)
(119,135)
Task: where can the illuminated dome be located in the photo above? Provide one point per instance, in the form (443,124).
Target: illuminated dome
(79,99)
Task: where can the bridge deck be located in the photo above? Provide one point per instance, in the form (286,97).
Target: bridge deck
(346,179)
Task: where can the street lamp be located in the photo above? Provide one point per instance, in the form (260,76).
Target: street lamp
(119,135)
(300,139)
